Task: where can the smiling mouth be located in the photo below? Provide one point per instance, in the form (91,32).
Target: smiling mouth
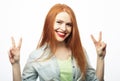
(61,34)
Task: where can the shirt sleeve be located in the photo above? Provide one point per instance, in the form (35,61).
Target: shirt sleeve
(90,73)
(29,73)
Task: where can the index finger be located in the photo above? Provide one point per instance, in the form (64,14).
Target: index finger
(93,39)
(20,43)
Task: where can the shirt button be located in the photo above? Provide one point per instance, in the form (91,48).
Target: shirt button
(73,66)
(73,77)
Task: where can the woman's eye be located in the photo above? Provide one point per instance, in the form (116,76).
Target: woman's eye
(69,24)
(59,22)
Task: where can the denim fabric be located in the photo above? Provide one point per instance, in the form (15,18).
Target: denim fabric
(48,70)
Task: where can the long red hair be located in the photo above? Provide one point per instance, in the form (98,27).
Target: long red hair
(73,41)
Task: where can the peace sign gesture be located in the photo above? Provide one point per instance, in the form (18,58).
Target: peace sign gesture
(100,46)
(14,52)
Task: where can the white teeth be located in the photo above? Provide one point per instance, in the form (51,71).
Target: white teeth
(61,33)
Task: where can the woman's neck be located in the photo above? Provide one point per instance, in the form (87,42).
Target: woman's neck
(61,45)
(62,51)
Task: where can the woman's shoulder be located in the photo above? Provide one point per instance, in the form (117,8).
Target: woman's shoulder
(36,53)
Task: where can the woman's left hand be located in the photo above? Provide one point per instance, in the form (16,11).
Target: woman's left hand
(100,46)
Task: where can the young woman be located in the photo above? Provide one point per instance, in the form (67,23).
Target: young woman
(59,55)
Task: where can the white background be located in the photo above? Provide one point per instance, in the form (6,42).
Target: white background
(25,18)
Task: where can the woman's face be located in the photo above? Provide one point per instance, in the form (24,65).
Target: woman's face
(62,26)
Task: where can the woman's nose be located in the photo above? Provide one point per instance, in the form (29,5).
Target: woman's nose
(63,27)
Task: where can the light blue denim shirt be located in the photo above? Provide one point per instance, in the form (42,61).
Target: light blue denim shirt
(49,70)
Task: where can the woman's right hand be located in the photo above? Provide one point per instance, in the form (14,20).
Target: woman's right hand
(14,52)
